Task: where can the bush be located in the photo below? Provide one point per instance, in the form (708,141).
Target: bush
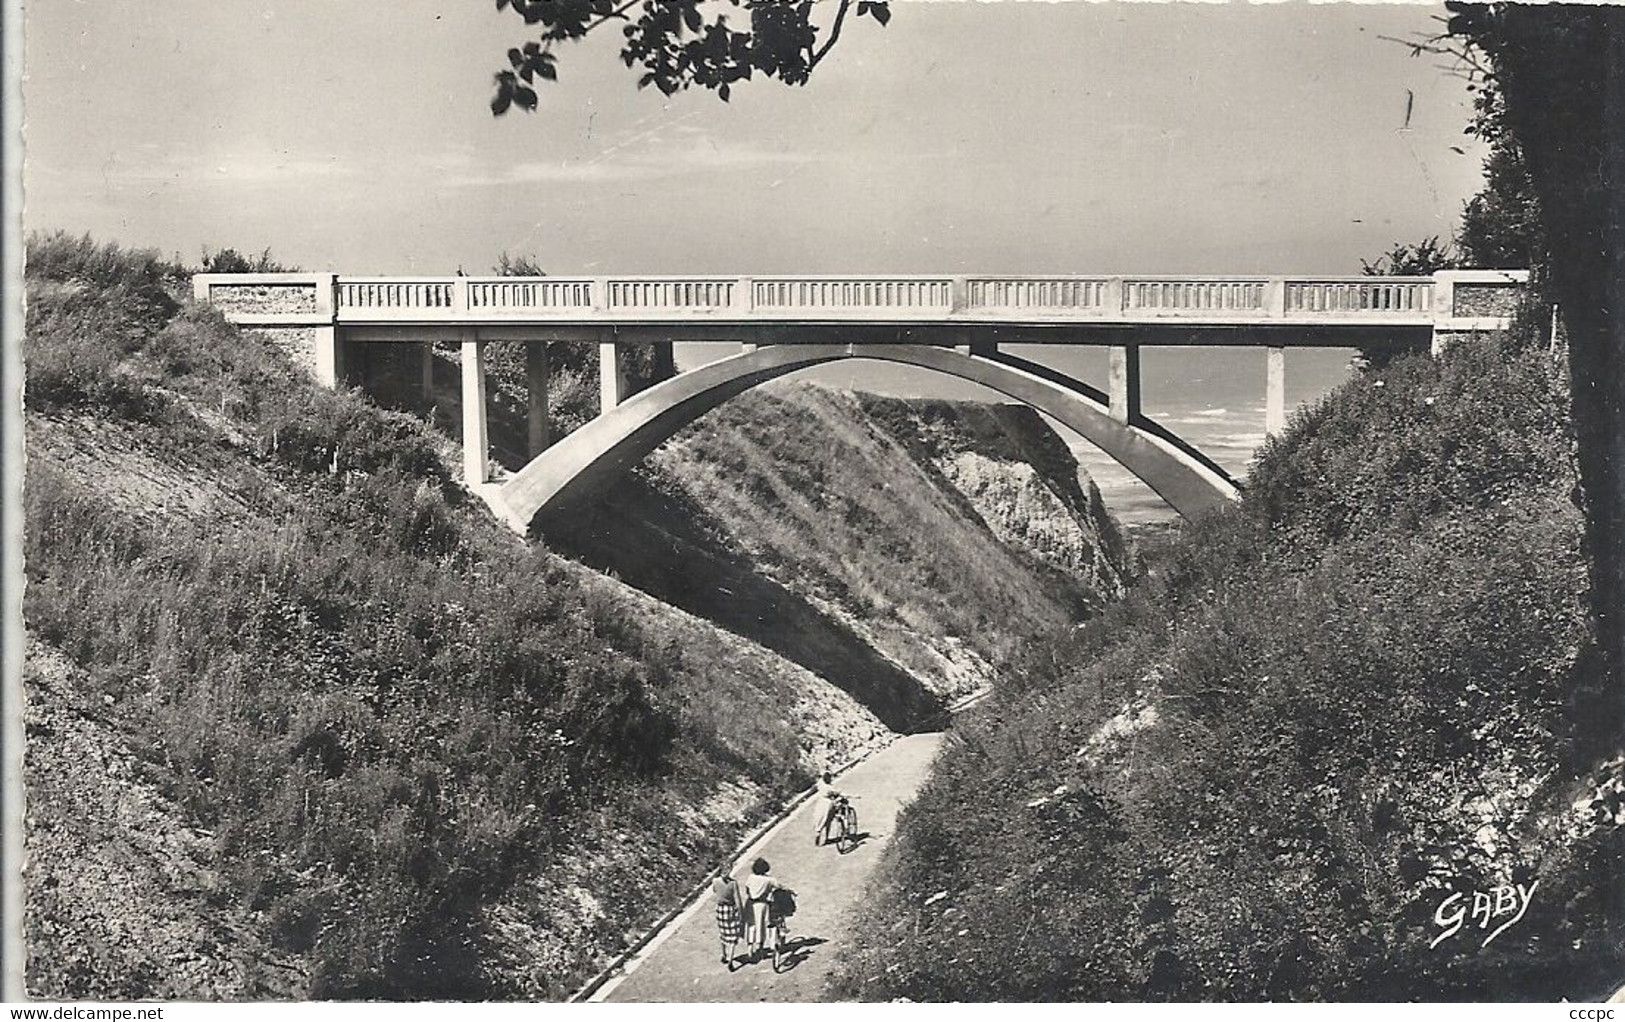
(1320,713)
(384,708)
(229,260)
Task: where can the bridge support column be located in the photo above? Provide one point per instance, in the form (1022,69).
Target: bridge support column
(329,356)
(537,432)
(1124,385)
(611,376)
(1274,390)
(475,448)
(986,349)
(426,372)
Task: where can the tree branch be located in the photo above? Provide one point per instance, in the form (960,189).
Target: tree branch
(834,34)
(619,12)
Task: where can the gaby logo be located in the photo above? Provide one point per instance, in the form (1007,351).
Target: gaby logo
(1486,906)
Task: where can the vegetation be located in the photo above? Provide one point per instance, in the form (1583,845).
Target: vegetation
(857,555)
(386,711)
(677,44)
(1546,76)
(1419,260)
(229,260)
(1369,686)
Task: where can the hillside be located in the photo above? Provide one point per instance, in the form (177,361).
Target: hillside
(908,547)
(1328,727)
(324,729)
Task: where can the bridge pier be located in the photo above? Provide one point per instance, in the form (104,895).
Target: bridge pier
(612,389)
(1274,390)
(537,430)
(1124,386)
(476,448)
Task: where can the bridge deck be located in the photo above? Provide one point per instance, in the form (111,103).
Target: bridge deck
(318,317)
(1274,310)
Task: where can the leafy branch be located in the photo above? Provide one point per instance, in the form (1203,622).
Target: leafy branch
(676,44)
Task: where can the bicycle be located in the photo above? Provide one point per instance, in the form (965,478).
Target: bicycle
(844,825)
(780,909)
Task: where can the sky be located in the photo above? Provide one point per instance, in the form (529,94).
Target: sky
(963,137)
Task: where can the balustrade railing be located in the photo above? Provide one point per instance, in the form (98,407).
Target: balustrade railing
(512,294)
(671,294)
(1055,294)
(817,294)
(1376,295)
(1242,300)
(399,293)
(1187,296)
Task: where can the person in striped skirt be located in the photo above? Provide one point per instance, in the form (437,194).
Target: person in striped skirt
(730,916)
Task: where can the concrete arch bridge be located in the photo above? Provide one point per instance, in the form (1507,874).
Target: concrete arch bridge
(956,325)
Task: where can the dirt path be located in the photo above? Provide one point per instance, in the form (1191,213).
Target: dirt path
(685,963)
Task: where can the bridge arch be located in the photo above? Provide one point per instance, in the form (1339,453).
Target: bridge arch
(580,465)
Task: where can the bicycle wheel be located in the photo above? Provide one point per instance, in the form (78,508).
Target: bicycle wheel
(848,839)
(778,944)
(837,831)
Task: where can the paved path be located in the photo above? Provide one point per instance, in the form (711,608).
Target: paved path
(686,964)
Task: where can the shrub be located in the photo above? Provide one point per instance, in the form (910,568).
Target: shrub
(1316,716)
(384,708)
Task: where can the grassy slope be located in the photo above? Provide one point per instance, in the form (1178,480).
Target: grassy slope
(400,754)
(1260,775)
(377,746)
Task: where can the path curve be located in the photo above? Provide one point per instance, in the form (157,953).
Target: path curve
(684,964)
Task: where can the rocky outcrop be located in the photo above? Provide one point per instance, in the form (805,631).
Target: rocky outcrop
(1021,478)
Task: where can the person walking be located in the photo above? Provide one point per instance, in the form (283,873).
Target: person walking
(824,811)
(759,888)
(730,916)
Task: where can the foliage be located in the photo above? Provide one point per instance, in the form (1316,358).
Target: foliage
(518,266)
(229,260)
(1320,713)
(678,43)
(385,711)
(90,309)
(1501,226)
(1421,259)
(1547,76)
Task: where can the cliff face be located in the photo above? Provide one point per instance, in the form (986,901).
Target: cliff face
(1020,478)
(908,548)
